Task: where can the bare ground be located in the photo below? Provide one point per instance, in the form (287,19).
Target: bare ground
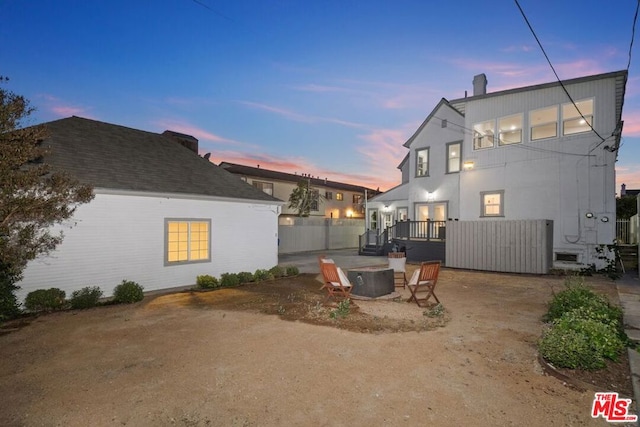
(270,354)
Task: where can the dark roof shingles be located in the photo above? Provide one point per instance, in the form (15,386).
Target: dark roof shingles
(116,157)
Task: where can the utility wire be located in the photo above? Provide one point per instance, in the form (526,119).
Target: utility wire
(633,34)
(556,74)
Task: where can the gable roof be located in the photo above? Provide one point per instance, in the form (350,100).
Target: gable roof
(115,157)
(290,177)
(429,117)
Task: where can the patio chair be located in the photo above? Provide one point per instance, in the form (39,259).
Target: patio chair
(398,262)
(321,260)
(423,283)
(335,281)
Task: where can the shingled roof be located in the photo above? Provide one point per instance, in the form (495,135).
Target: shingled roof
(115,157)
(259,172)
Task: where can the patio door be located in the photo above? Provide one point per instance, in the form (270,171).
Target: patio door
(431,211)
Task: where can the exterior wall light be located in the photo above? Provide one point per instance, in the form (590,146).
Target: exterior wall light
(604,219)
(589,215)
(468,165)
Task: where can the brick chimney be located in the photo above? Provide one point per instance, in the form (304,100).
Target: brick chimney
(480,85)
(185,140)
(623,190)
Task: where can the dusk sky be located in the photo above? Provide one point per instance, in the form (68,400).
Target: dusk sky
(328,88)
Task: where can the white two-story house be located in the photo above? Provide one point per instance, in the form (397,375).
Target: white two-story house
(543,152)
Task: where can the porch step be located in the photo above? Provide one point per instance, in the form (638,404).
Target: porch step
(371,250)
(629,256)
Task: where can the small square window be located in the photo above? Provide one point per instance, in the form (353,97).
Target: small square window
(339,196)
(492,203)
(483,135)
(577,120)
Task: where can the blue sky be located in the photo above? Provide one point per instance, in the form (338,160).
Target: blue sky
(329,88)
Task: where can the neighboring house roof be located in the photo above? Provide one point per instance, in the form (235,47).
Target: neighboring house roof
(399,192)
(259,172)
(115,157)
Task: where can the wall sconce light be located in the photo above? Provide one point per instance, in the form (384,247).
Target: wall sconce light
(431,196)
(468,165)
(604,219)
(386,207)
(589,215)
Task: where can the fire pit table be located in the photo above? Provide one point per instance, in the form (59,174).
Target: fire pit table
(371,281)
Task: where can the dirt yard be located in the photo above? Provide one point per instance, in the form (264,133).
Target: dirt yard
(270,355)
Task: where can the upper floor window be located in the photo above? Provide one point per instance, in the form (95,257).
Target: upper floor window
(267,187)
(510,129)
(483,134)
(328,195)
(544,123)
(422,162)
(339,196)
(187,240)
(453,157)
(315,198)
(357,198)
(572,120)
(492,203)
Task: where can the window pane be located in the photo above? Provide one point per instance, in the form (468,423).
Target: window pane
(510,129)
(453,156)
(187,241)
(492,204)
(422,162)
(573,122)
(544,123)
(483,134)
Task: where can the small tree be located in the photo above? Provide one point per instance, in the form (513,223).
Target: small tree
(33,197)
(626,207)
(303,198)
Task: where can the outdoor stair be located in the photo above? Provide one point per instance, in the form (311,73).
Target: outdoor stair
(371,250)
(629,256)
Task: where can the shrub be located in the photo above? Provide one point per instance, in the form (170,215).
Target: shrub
(45,300)
(245,277)
(292,270)
(86,297)
(574,342)
(128,292)
(261,275)
(206,281)
(229,279)
(574,296)
(277,271)
(343,310)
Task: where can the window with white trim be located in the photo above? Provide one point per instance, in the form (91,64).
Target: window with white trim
(187,240)
(483,134)
(453,157)
(510,129)
(422,162)
(544,123)
(577,120)
(492,203)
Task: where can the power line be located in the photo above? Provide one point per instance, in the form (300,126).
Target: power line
(633,34)
(556,74)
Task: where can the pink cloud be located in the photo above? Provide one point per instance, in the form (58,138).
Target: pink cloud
(66,110)
(629,175)
(631,123)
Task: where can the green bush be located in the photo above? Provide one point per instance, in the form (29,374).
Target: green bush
(574,342)
(262,275)
(206,281)
(45,300)
(574,296)
(86,297)
(292,270)
(127,292)
(245,277)
(277,271)
(229,279)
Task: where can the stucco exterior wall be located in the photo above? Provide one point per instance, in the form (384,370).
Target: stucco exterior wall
(118,237)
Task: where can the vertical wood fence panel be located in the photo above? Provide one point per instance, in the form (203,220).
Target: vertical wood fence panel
(524,246)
